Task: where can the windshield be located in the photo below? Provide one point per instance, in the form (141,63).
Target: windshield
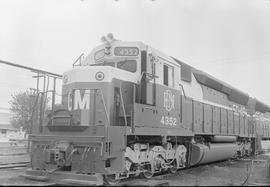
(128,65)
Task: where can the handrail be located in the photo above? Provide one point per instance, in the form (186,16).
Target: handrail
(123,106)
(183,89)
(108,119)
(133,109)
(79,59)
(152,76)
(103,101)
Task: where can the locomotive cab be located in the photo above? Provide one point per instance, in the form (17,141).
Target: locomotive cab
(113,71)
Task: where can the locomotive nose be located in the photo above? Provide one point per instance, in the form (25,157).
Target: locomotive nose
(87,75)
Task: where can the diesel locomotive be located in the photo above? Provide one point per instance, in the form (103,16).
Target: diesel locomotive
(128,110)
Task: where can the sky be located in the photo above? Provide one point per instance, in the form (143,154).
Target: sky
(228,39)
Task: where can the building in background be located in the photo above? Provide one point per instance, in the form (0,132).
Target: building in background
(7,132)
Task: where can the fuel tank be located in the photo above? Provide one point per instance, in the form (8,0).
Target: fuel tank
(201,154)
(226,139)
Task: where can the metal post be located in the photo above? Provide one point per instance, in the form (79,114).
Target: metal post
(33,113)
(37,95)
(53,96)
(41,105)
(46,92)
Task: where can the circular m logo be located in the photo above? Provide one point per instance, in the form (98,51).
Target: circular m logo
(168,100)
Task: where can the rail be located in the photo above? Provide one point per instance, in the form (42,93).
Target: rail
(14,165)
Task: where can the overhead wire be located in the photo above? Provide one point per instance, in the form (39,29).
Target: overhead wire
(239,57)
(235,60)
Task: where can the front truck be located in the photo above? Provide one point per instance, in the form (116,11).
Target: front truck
(75,143)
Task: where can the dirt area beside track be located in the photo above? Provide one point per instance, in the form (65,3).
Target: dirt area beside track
(11,177)
(227,173)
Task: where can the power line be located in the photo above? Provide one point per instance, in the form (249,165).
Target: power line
(233,59)
(3,108)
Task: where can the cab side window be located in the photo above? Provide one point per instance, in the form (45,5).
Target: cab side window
(168,74)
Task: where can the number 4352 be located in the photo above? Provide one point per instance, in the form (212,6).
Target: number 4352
(165,120)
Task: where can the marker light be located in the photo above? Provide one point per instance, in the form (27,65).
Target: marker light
(99,76)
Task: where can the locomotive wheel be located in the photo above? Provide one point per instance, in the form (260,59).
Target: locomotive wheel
(148,173)
(111,179)
(173,169)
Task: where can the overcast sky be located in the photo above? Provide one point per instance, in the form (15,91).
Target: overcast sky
(229,39)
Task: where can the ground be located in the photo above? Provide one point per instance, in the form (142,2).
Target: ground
(226,173)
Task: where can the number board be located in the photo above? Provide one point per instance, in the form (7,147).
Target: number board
(126,51)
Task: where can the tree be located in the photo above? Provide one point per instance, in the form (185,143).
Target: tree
(23,106)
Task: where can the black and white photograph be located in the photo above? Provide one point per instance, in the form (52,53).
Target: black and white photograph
(134,93)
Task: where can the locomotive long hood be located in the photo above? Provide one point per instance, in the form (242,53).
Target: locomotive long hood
(261,107)
(234,94)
